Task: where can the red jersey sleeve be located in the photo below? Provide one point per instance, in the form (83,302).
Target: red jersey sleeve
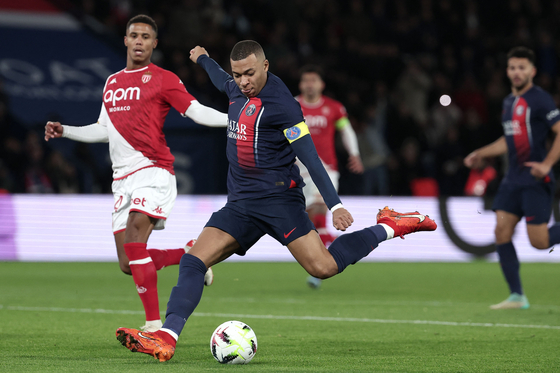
(340,111)
(174,92)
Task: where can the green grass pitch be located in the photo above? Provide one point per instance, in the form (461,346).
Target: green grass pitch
(375,317)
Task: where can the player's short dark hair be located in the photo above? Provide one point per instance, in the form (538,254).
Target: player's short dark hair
(142,18)
(244,49)
(522,52)
(312,69)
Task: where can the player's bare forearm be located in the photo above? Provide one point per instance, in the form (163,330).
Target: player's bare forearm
(542,169)
(494,149)
(197,52)
(342,219)
(53,130)
(355,164)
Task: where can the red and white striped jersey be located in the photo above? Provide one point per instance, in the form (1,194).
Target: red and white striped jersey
(135,104)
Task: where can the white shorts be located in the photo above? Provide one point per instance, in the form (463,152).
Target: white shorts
(310,190)
(151,191)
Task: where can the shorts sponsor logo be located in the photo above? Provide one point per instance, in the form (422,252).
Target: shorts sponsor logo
(293,133)
(250,110)
(138,201)
(118,203)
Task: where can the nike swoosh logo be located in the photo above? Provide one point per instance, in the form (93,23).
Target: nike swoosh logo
(145,336)
(421,217)
(286,235)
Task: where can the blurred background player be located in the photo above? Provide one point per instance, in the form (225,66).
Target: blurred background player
(529,115)
(324,116)
(136,101)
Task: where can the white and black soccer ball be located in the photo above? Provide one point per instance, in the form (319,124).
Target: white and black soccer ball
(233,342)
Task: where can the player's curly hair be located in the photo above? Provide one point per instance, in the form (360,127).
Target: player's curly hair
(245,48)
(522,52)
(142,18)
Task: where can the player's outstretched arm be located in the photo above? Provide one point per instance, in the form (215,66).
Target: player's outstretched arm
(350,142)
(474,159)
(305,150)
(218,76)
(206,115)
(91,133)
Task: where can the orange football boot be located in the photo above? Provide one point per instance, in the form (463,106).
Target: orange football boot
(405,223)
(146,342)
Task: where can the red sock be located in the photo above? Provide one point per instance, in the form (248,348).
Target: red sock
(166,337)
(164,258)
(320,222)
(145,277)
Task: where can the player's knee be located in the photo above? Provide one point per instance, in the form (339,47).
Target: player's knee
(125,268)
(503,235)
(322,270)
(540,243)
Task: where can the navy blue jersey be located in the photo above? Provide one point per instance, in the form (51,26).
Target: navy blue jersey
(527,120)
(261,160)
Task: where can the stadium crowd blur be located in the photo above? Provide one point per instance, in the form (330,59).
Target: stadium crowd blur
(387,61)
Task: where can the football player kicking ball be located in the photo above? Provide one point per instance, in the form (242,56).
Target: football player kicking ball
(136,101)
(266,132)
(324,117)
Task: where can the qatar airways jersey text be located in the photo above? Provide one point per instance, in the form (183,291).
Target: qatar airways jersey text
(321,119)
(135,104)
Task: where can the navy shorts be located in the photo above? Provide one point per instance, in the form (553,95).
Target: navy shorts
(532,201)
(280,215)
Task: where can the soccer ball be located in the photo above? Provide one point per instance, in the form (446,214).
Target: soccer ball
(233,342)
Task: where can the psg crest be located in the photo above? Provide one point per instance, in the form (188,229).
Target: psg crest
(250,110)
(146,77)
(293,133)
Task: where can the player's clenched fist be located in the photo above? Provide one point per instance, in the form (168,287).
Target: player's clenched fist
(342,219)
(53,130)
(197,52)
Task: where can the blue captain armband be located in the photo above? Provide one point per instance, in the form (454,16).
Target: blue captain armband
(307,154)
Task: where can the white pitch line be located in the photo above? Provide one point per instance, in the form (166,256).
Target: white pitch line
(280,317)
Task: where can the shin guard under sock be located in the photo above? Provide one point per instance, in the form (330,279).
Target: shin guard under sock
(145,277)
(510,266)
(186,295)
(165,258)
(349,248)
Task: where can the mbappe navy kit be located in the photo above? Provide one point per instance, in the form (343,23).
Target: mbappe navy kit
(261,161)
(264,184)
(527,121)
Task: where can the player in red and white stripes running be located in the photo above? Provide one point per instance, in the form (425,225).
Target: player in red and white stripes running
(324,116)
(136,101)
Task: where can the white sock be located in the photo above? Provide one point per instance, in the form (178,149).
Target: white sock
(390,231)
(170,332)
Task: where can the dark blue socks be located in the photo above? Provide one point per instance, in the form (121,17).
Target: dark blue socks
(349,248)
(510,266)
(186,295)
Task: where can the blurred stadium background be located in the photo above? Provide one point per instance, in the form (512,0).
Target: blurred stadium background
(388,62)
